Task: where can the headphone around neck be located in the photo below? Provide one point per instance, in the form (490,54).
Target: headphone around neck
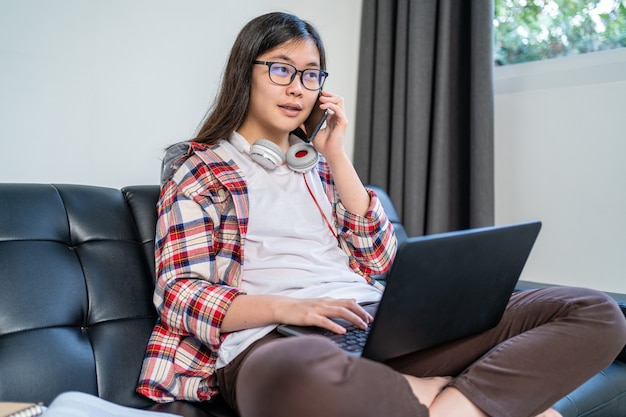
(300,157)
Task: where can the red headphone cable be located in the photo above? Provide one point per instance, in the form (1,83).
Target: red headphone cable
(319,208)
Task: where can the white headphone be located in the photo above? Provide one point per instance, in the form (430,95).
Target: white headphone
(300,157)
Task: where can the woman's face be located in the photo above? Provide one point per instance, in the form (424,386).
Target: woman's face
(275,110)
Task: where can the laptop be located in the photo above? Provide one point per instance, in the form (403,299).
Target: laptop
(440,288)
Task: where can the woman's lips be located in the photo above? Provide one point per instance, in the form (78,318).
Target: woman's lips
(291,110)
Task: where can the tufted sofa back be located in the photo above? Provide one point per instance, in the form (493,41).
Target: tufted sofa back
(76,283)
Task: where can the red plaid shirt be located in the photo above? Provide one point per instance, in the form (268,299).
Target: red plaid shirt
(202,221)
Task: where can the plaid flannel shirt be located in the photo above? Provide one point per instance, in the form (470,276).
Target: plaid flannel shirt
(202,222)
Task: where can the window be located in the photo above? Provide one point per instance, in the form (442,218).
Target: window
(530,30)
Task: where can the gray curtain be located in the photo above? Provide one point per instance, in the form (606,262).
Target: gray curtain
(424,124)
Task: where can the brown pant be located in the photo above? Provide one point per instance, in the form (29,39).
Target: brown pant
(548,342)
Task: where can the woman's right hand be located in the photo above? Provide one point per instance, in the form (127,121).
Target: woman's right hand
(247,311)
(319,311)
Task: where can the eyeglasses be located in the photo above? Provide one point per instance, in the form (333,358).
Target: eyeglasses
(284,74)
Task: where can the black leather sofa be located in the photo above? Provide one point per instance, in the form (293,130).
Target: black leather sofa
(76,281)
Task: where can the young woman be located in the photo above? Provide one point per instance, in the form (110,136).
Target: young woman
(246,241)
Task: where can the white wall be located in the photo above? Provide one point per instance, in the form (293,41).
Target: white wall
(560,157)
(91,91)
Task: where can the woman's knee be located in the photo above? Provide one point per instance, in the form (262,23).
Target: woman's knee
(597,304)
(613,317)
(598,313)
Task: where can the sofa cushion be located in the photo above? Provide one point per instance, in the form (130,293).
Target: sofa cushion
(76,309)
(602,396)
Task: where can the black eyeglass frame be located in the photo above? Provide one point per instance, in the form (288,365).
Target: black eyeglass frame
(269,64)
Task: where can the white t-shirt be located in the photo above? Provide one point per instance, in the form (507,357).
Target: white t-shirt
(289,249)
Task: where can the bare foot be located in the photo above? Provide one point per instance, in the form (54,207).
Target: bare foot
(426,389)
(452,403)
(550,412)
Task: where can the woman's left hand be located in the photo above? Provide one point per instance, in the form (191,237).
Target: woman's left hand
(329,140)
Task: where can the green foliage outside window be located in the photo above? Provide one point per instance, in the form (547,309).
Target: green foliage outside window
(530,30)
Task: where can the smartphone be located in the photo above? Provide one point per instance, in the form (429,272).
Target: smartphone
(312,124)
(315,121)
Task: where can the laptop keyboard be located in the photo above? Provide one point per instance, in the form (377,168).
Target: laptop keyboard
(352,341)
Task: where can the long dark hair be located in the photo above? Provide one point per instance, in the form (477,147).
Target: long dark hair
(258,36)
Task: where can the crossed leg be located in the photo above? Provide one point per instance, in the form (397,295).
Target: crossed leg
(498,369)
